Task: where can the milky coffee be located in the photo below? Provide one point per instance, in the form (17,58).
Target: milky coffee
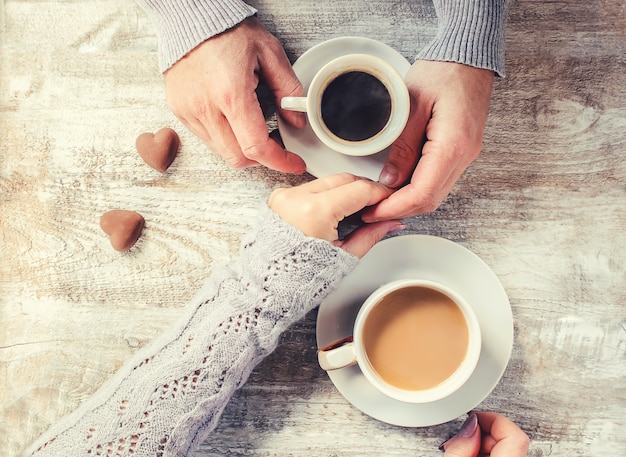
(415,338)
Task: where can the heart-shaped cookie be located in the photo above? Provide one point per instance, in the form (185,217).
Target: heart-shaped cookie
(123,227)
(158,149)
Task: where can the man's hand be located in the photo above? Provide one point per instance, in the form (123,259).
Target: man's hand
(449,106)
(212,91)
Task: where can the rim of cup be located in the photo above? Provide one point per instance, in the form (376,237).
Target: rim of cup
(383,71)
(455,380)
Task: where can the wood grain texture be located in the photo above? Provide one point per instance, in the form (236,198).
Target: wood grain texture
(544,205)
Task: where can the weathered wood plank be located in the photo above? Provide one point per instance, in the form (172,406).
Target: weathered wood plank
(544,206)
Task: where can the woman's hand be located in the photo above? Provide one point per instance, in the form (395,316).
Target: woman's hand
(317,207)
(487,434)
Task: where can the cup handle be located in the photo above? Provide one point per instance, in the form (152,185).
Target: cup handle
(337,355)
(294,103)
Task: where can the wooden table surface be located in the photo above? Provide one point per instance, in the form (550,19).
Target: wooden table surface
(544,205)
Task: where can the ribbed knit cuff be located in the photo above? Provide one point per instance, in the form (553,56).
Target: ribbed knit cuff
(471,32)
(184,24)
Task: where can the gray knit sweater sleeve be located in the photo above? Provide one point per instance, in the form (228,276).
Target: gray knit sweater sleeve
(166,399)
(471,32)
(183,24)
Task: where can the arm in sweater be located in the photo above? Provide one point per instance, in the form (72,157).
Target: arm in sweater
(216,82)
(471,32)
(183,24)
(170,395)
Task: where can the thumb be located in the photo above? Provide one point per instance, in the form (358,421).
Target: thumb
(406,150)
(466,443)
(403,157)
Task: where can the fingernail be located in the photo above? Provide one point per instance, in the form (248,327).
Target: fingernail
(469,426)
(389,175)
(396,228)
(466,431)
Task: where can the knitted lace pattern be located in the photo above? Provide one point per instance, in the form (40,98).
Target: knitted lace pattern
(170,395)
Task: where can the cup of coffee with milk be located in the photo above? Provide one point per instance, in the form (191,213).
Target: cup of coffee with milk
(416,341)
(356,104)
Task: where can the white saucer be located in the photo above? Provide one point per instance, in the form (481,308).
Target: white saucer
(320,159)
(436,259)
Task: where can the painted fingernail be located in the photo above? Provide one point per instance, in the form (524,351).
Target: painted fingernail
(389,175)
(466,431)
(469,426)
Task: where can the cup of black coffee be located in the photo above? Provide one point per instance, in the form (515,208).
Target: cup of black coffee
(356,104)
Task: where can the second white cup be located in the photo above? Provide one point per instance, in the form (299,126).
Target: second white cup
(416,341)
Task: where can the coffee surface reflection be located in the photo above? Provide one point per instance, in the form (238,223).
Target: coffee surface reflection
(355,106)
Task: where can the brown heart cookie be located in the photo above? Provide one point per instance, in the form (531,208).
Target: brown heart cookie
(123,227)
(158,149)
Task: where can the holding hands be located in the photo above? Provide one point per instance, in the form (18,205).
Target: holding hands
(317,207)
(212,90)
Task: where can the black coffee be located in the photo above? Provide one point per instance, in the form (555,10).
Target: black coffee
(356,106)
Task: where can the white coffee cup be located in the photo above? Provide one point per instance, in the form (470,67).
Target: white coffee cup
(368,101)
(408,340)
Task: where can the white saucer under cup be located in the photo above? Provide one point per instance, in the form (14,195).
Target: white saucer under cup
(435,259)
(320,159)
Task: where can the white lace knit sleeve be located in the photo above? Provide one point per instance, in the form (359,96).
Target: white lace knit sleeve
(170,395)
